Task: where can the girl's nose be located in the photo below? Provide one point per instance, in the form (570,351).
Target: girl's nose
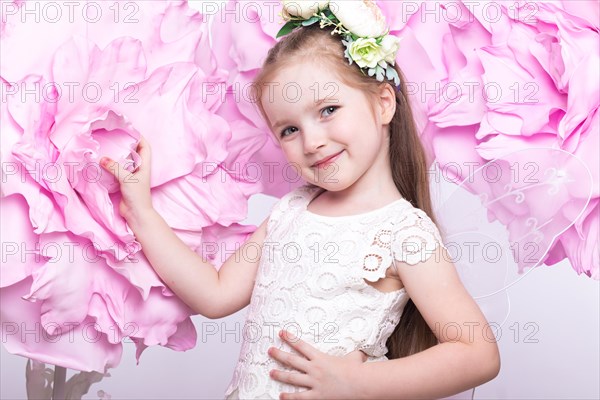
(314,138)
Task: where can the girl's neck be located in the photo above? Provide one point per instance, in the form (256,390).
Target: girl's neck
(354,199)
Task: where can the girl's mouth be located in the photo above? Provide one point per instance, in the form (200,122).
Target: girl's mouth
(327,161)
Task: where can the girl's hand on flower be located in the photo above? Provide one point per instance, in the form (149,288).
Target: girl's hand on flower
(325,376)
(135,185)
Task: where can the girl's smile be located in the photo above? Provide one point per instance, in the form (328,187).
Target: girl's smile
(319,122)
(327,160)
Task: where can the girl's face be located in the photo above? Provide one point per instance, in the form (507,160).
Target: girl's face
(314,115)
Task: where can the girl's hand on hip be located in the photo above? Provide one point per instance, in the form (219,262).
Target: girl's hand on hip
(325,376)
(134,185)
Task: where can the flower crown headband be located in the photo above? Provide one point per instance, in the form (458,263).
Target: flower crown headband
(362,25)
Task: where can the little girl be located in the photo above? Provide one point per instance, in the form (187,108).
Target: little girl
(352,266)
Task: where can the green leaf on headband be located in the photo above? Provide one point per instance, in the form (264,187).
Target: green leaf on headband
(310,21)
(287,28)
(391,73)
(327,12)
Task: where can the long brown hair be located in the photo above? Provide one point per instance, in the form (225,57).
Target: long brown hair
(407,156)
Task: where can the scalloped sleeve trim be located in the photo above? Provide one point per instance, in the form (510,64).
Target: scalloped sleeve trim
(416,238)
(412,238)
(379,257)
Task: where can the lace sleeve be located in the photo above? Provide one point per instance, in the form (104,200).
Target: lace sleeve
(415,238)
(281,207)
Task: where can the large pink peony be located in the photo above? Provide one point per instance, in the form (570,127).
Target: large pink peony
(485,80)
(72,271)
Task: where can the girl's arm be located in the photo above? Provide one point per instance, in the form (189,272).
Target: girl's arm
(467,355)
(194,280)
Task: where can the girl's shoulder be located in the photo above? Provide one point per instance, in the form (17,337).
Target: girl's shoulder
(414,235)
(291,203)
(298,197)
(404,233)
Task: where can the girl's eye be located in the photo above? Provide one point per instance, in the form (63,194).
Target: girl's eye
(292,129)
(331,109)
(287,129)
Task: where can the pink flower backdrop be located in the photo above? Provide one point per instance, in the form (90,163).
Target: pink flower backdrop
(488,80)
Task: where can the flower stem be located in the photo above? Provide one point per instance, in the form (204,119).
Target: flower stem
(58,387)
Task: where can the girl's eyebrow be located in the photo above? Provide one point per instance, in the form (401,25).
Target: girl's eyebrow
(325,100)
(277,124)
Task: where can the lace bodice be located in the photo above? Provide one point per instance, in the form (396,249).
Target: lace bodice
(311,281)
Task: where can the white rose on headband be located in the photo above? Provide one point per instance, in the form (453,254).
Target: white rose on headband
(365,52)
(361,17)
(389,47)
(302,8)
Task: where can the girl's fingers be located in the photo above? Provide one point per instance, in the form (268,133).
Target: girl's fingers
(293,378)
(299,345)
(291,360)
(143,150)
(114,168)
(143,140)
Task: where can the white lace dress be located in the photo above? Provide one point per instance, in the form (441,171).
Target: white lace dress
(311,281)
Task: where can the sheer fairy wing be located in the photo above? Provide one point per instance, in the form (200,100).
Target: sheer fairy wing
(504,219)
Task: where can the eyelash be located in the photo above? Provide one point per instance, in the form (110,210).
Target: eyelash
(281,134)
